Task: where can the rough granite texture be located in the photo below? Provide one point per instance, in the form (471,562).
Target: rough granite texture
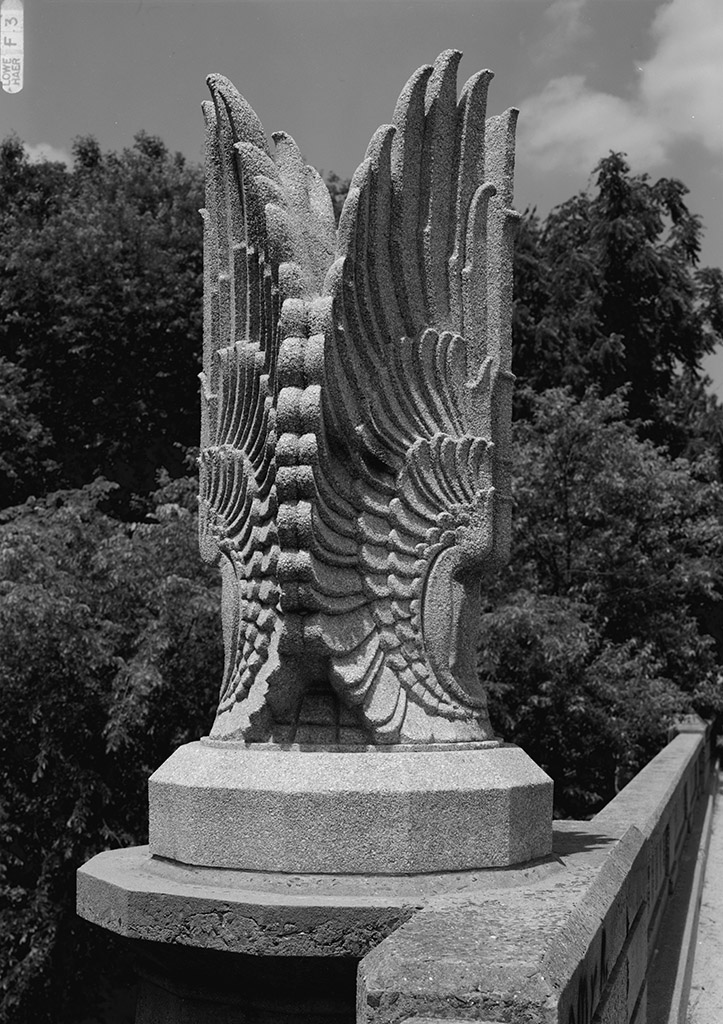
(569,947)
(141,897)
(565,940)
(367,812)
(356,408)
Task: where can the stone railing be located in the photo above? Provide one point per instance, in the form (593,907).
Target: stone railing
(570,941)
(566,939)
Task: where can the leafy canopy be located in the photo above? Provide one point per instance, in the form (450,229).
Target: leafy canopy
(603,627)
(607,292)
(595,632)
(109,659)
(100,314)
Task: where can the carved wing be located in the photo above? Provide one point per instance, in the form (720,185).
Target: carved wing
(417,401)
(269,236)
(356,402)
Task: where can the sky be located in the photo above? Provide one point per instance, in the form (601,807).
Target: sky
(641,76)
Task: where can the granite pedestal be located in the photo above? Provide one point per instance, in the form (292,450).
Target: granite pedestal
(361,810)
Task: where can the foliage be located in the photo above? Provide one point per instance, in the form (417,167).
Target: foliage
(593,635)
(25,443)
(338,189)
(607,292)
(109,659)
(100,309)
(596,634)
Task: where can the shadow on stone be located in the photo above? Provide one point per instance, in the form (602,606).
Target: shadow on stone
(180,983)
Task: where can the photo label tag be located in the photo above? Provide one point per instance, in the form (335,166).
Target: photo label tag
(11,45)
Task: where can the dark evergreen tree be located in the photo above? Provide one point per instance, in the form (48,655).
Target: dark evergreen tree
(607,293)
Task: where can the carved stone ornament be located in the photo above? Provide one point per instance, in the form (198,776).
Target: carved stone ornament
(356,392)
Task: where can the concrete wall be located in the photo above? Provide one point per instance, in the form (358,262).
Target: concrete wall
(571,943)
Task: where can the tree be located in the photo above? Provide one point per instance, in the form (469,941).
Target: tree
(110,658)
(30,192)
(101,307)
(595,632)
(607,292)
(26,446)
(338,190)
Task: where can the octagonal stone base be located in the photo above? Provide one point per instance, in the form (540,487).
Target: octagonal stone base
(218,946)
(354,811)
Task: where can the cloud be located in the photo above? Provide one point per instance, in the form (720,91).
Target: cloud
(683,81)
(677,98)
(569,125)
(566,27)
(44,151)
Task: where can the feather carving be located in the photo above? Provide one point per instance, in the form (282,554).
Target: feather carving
(356,408)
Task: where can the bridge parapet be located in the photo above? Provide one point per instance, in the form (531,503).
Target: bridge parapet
(570,943)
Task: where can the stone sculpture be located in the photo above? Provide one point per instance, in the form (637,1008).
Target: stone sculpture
(356,410)
(354,490)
